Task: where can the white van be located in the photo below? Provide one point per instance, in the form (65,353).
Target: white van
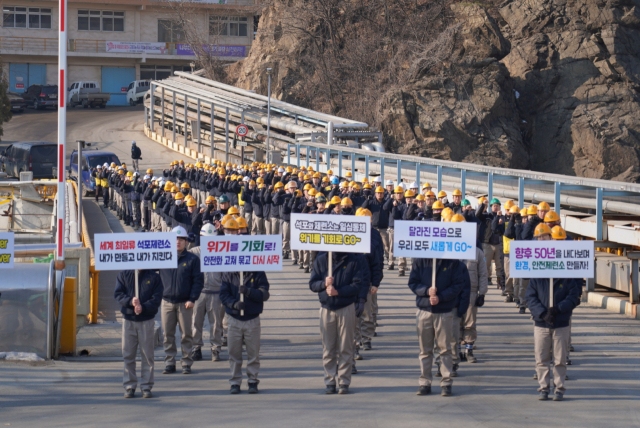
(136,91)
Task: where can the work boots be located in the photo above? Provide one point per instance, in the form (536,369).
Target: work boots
(469,353)
(196,355)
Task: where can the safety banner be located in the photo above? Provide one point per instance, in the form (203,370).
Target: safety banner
(120,251)
(434,240)
(6,250)
(551,259)
(322,232)
(240,253)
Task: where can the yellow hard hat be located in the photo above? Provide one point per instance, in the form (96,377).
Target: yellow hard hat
(367,186)
(242,222)
(185,186)
(168,187)
(209,200)
(458,218)
(420,198)
(437,205)
(379,189)
(113,164)
(313,192)
(409,194)
(442,194)
(430,194)
(325,178)
(260,180)
(191,202)
(365,180)
(149,171)
(261,186)
(558,233)
(233,211)
(174,189)
(446,215)
(121,171)
(508,204)
(310,168)
(398,189)
(348,174)
(317,175)
(307,186)
(129,174)
(346,201)
(289,169)
(179,196)
(541,229)
(551,216)
(514,209)
(356,186)
(231,224)
(335,200)
(523,212)
(426,185)
(278,185)
(362,212)
(447,210)
(532,210)
(298,193)
(329,172)
(457,192)
(307,177)
(544,206)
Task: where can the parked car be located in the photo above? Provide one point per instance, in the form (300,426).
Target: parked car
(17,102)
(137,90)
(37,156)
(90,160)
(41,96)
(87,94)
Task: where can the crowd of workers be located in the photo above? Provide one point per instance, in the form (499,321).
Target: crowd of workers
(222,198)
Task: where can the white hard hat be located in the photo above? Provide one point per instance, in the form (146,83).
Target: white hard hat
(280,169)
(180,231)
(106,164)
(136,173)
(404,186)
(147,177)
(388,183)
(414,185)
(208,230)
(120,167)
(133,143)
(245,179)
(154,178)
(377,180)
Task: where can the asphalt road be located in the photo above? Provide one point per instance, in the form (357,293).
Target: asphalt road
(110,129)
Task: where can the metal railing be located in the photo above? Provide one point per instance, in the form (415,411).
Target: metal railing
(100,46)
(28,43)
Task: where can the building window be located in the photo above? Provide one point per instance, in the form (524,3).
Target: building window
(170,31)
(100,20)
(26,17)
(234,26)
(159,72)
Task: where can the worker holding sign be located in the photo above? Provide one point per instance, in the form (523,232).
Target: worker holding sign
(338,278)
(551,313)
(140,301)
(243,302)
(434,318)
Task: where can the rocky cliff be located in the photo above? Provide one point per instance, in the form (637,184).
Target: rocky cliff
(547,85)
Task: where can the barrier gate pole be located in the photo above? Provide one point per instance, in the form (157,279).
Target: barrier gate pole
(62,131)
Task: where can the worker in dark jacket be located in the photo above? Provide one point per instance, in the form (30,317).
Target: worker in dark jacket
(244,323)
(551,331)
(365,323)
(138,326)
(434,318)
(380,217)
(136,155)
(182,287)
(338,292)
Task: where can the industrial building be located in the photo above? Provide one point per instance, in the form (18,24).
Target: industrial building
(116,42)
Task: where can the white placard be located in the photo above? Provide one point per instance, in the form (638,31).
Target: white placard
(159,48)
(325,232)
(120,251)
(551,259)
(6,250)
(434,240)
(241,253)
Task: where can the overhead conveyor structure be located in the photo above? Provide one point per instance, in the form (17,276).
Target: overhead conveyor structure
(194,111)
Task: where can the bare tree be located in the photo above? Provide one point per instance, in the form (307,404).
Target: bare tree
(204,42)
